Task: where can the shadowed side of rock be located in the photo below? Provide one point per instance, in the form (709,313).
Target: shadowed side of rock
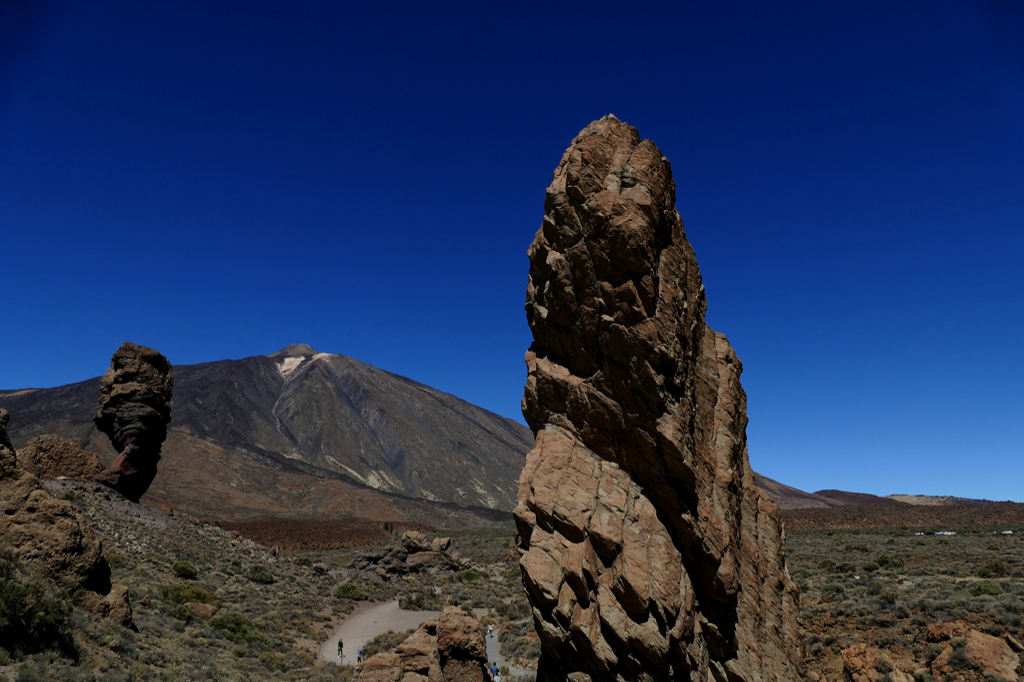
(135,407)
(53,540)
(646,549)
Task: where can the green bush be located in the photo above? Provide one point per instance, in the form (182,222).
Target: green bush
(471,574)
(349,591)
(987,587)
(832,589)
(181,593)
(235,627)
(826,564)
(996,569)
(31,618)
(870,566)
(259,574)
(184,569)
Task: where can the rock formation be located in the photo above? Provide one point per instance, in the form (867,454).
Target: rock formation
(50,457)
(450,648)
(53,540)
(416,555)
(646,550)
(135,407)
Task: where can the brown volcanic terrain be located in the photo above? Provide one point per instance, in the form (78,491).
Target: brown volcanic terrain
(990,516)
(305,433)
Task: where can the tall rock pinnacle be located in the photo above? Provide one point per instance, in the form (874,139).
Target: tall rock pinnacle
(646,549)
(135,407)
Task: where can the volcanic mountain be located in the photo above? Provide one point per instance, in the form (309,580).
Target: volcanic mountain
(303,432)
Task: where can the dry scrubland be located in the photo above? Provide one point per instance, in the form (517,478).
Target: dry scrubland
(882,587)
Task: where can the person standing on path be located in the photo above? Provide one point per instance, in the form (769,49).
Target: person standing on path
(341,658)
(494,669)
(490,630)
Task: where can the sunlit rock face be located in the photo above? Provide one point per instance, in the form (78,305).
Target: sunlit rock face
(646,549)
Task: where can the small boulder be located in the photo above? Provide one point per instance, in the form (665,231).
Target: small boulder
(204,611)
(50,457)
(415,541)
(993,655)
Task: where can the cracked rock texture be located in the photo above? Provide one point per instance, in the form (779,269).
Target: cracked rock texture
(51,457)
(53,540)
(135,407)
(646,549)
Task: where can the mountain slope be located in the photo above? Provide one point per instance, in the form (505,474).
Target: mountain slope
(299,412)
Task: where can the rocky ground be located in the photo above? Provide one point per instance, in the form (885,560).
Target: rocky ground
(210,604)
(875,602)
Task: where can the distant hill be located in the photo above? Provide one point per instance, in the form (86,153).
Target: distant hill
(789,498)
(302,432)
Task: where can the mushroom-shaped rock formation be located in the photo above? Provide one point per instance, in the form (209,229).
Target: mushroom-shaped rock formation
(646,549)
(135,407)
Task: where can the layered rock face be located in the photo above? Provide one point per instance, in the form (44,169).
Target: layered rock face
(449,648)
(135,407)
(53,540)
(646,550)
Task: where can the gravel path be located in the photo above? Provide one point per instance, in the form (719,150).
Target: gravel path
(359,628)
(494,656)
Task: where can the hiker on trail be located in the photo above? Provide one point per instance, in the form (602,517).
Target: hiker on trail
(340,645)
(494,669)
(360,653)
(490,630)
(497,676)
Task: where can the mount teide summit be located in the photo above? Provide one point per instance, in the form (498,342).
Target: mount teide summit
(252,433)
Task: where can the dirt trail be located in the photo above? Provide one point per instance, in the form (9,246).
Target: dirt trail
(358,629)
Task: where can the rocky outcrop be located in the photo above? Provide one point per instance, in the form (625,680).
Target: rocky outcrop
(53,540)
(51,457)
(646,549)
(993,656)
(449,648)
(416,555)
(135,407)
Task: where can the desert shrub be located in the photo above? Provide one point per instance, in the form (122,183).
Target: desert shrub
(114,560)
(260,575)
(870,566)
(857,548)
(826,564)
(832,589)
(386,641)
(181,593)
(184,569)
(799,573)
(987,587)
(471,575)
(349,591)
(304,561)
(31,618)
(888,595)
(886,560)
(236,627)
(883,666)
(995,569)
(273,662)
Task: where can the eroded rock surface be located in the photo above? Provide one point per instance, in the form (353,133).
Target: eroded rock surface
(50,457)
(646,549)
(135,407)
(449,648)
(53,540)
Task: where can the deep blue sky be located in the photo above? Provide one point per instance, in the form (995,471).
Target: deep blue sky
(218,180)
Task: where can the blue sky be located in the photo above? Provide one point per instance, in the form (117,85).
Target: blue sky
(218,180)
